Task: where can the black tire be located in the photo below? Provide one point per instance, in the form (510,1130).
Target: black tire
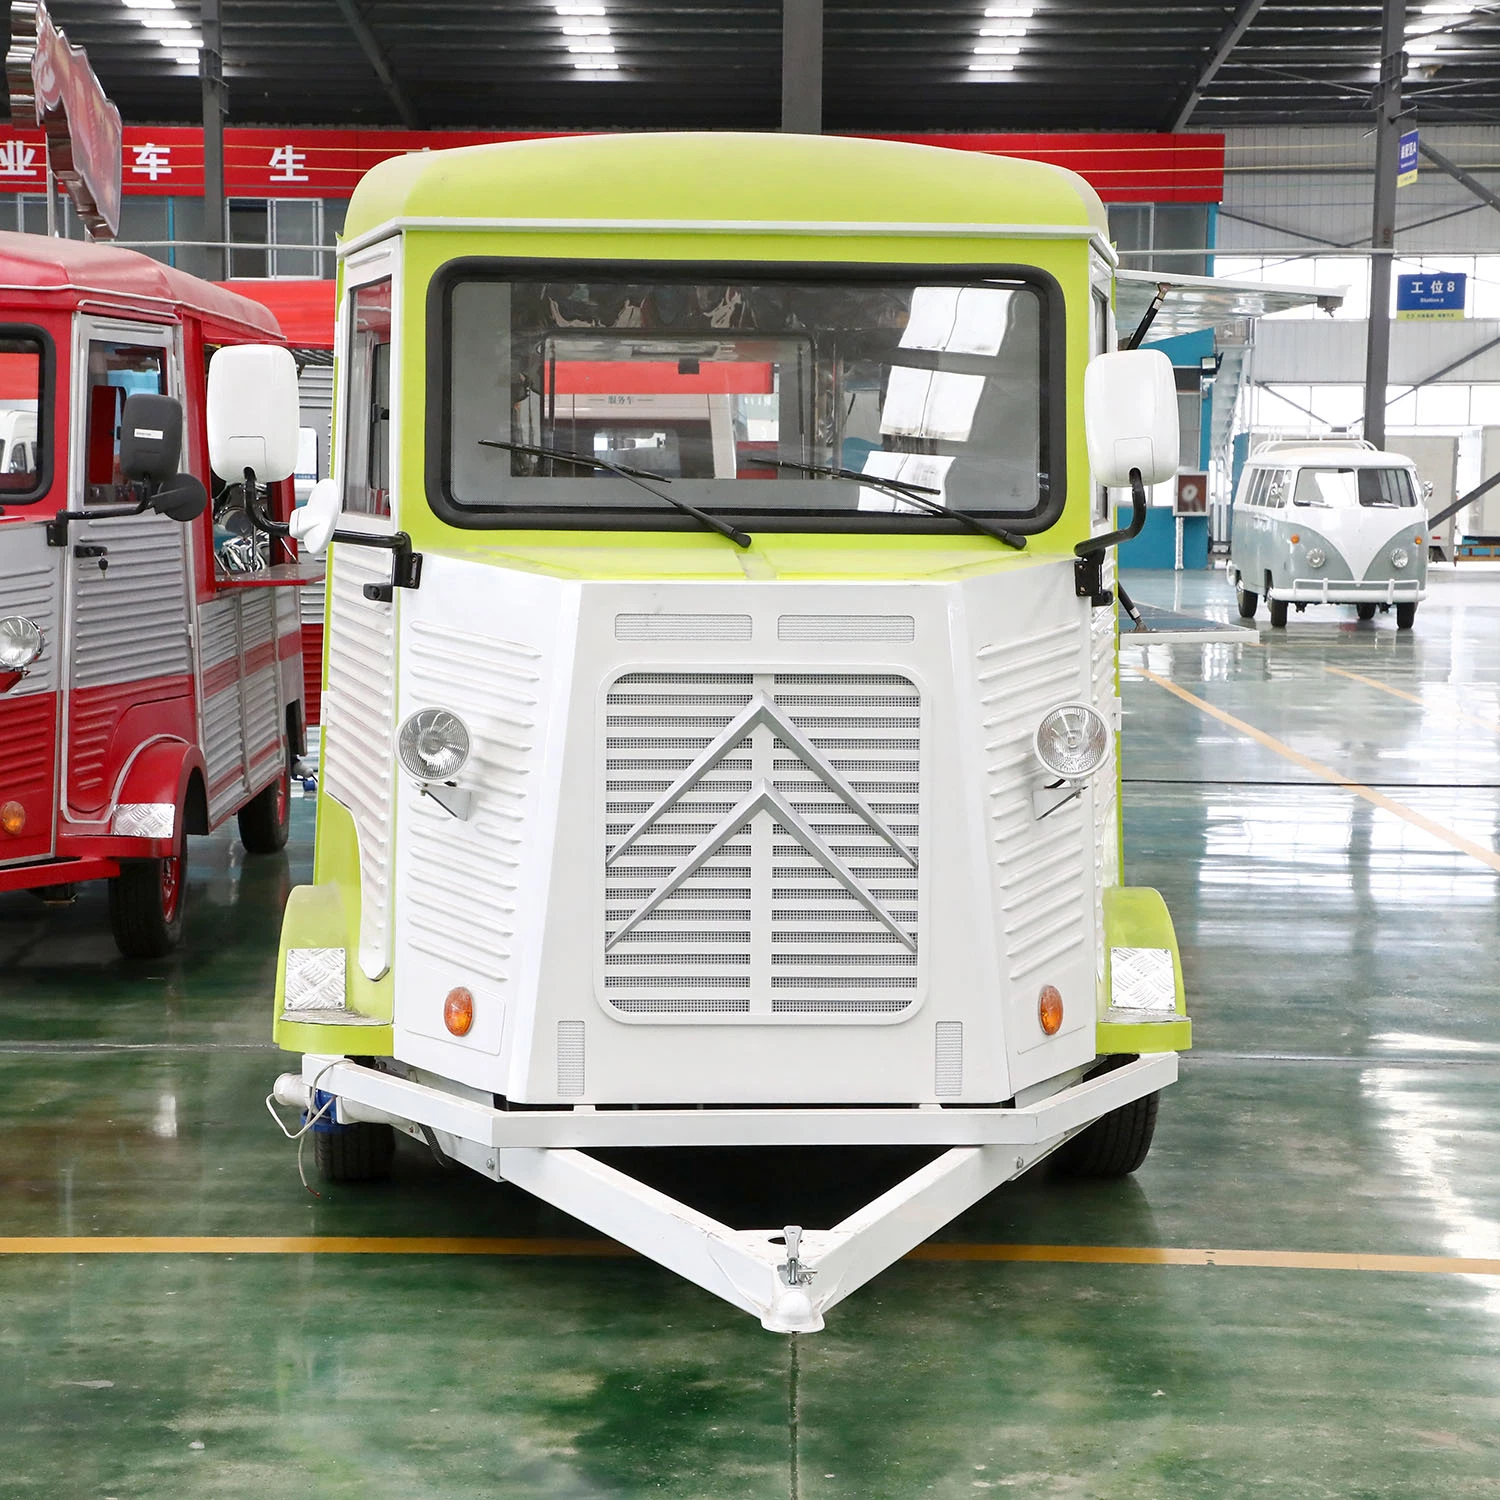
(1247,603)
(146,903)
(1365,611)
(1278,612)
(354,1153)
(1114,1145)
(266,819)
(1406,616)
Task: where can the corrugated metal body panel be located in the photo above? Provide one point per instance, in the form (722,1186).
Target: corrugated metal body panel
(28,758)
(130,620)
(263,726)
(359,710)
(457,895)
(30,585)
(1043,864)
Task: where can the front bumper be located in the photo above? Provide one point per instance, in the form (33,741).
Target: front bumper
(1351,591)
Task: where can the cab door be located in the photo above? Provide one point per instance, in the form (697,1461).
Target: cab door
(129,595)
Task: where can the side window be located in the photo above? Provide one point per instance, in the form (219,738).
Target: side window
(367,422)
(1256,487)
(1276,488)
(20,400)
(115,371)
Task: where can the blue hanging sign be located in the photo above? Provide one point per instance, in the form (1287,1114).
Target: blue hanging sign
(1406,159)
(1432,297)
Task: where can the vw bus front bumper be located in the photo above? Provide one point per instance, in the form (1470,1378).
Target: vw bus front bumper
(1352,591)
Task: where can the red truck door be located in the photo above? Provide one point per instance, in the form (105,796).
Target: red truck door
(129,595)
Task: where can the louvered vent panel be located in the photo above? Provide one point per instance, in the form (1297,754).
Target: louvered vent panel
(358,711)
(1043,864)
(762,925)
(459,889)
(263,726)
(32,589)
(1106,812)
(130,622)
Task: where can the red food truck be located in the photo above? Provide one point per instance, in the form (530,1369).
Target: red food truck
(151,681)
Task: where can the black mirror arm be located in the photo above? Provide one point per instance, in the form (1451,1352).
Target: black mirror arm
(406,565)
(57,527)
(1088,570)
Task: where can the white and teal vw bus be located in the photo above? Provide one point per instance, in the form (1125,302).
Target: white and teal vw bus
(1329,523)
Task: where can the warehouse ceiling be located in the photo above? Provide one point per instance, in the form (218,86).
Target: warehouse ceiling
(903,65)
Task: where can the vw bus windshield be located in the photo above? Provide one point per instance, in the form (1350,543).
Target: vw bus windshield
(1345,488)
(729,390)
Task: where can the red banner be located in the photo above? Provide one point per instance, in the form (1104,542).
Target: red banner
(293,163)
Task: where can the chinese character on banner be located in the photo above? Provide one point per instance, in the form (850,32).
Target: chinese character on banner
(17,159)
(288,162)
(152,161)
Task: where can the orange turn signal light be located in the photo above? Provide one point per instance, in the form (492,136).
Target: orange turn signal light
(1049,1009)
(12,817)
(458,1011)
(1295,538)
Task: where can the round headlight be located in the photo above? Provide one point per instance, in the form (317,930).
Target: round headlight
(433,744)
(1399,557)
(1072,741)
(1316,557)
(20,642)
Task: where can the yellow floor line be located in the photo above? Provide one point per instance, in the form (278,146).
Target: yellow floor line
(1093,1255)
(1385,687)
(1400,810)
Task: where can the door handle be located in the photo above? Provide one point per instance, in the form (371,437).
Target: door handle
(92,549)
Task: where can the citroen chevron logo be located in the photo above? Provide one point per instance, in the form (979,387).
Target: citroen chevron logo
(763,797)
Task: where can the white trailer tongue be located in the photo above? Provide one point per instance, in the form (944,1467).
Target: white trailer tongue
(788,1277)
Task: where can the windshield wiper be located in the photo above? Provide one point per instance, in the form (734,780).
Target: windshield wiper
(631,476)
(916,493)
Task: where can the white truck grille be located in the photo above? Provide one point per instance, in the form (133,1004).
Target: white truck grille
(761,843)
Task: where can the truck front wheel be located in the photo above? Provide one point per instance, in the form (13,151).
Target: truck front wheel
(146,901)
(1115,1144)
(1278,612)
(354,1153)
(1246,601)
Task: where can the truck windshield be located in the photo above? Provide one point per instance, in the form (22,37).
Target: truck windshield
(740,391)
(1345,488)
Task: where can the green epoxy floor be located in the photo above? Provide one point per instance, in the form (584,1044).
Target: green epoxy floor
(1344,1096)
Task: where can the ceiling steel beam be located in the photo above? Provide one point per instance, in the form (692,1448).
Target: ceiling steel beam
(375,54)
(1383,226)
(1457,173)
(1228,40)
(802,66)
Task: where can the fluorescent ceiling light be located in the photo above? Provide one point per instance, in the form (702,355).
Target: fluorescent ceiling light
(601,48)
(163,22)
(596,65)
(585,30)
(992,65)
(1009,12)
(1002,49)
(187,59)
(179,44)
(579,10)
(148,4)
(1018,30)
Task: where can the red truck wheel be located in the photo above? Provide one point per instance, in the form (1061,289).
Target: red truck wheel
(146,901)
(266,819)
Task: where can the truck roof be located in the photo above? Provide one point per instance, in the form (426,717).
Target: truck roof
(730,178)
(1333,455)
(83,271)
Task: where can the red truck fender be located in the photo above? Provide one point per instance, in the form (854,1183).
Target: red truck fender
(168,770)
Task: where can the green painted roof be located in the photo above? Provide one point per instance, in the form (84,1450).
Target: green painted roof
(700,176)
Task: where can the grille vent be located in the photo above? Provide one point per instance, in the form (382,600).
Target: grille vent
(755,922)
(570,1059)
(846,628)
(682,627)
(948,1070)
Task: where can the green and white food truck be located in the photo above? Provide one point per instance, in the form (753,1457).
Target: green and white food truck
(720,695)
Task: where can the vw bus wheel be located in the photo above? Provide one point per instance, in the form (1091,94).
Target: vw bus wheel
(1365,611)
(1114,1145)
(1406,616)
(354,1153)
(266,819)
(146,901)
(1247,603)
(1278,611)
